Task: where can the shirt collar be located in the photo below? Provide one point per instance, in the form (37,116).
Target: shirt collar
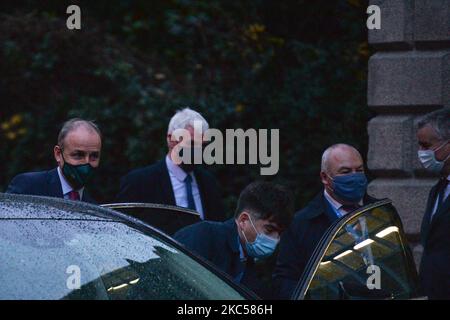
(175,170)
(66,188)
(334,203)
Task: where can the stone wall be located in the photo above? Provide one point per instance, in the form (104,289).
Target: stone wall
(409,75)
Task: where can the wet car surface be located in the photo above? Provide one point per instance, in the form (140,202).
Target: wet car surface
(58,249)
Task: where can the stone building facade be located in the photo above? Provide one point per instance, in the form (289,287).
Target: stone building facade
(409,75)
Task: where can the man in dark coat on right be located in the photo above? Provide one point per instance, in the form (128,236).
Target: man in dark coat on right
(433,134)
(344,181)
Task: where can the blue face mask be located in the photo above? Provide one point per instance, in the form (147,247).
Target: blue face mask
(350,187)
(262,247)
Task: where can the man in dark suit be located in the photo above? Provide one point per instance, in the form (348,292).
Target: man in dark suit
(263,212)
(78,156)
(173,182)
(344,181)
(433,136)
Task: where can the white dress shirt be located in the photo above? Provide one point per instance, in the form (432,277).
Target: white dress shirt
(66,188)
(177,176)
(446,193)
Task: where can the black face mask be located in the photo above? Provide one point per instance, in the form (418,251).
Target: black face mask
(77,175)
(189,167)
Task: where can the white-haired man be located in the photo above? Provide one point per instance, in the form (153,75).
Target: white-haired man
(173,183)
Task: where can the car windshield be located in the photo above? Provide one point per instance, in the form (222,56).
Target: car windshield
(98,259)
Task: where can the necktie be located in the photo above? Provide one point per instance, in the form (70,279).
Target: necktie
(441,194)
(350,208)
(190,197)
(74,195)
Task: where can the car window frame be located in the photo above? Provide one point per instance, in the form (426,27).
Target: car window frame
(245,292)
(142,205)
(125,205)
(328,237)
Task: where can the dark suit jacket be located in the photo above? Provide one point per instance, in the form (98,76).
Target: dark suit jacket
(152,184)
(43,183)
(218,242)
(298,242)
(435,235)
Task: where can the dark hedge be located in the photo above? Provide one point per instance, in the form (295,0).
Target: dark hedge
(299,66)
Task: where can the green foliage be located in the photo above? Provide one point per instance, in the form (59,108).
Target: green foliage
(299,66)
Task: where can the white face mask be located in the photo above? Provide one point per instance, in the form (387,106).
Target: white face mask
(428,159)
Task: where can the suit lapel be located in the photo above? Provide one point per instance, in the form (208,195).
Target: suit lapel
(166,184)
(445,207)
(424,230)
(235,263)
(320,206)
(201,187)
(329,210)
(54,188)
(87,198)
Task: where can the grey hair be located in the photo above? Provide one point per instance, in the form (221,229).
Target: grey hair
(439,120)
(184,118)
(326,154)
(73,124)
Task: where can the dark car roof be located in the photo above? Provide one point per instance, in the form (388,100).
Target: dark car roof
(14,206)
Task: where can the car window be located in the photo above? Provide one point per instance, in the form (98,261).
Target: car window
(91,259)
(364,256)
(168,219)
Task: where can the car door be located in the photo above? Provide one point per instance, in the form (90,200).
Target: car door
(168,219)
(363,255)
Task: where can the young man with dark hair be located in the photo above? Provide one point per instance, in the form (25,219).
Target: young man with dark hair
(263,212)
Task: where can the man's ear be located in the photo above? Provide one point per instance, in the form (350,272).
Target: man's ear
(168,139)
(57,153)
(323,178)
(242,218)
(171,143)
